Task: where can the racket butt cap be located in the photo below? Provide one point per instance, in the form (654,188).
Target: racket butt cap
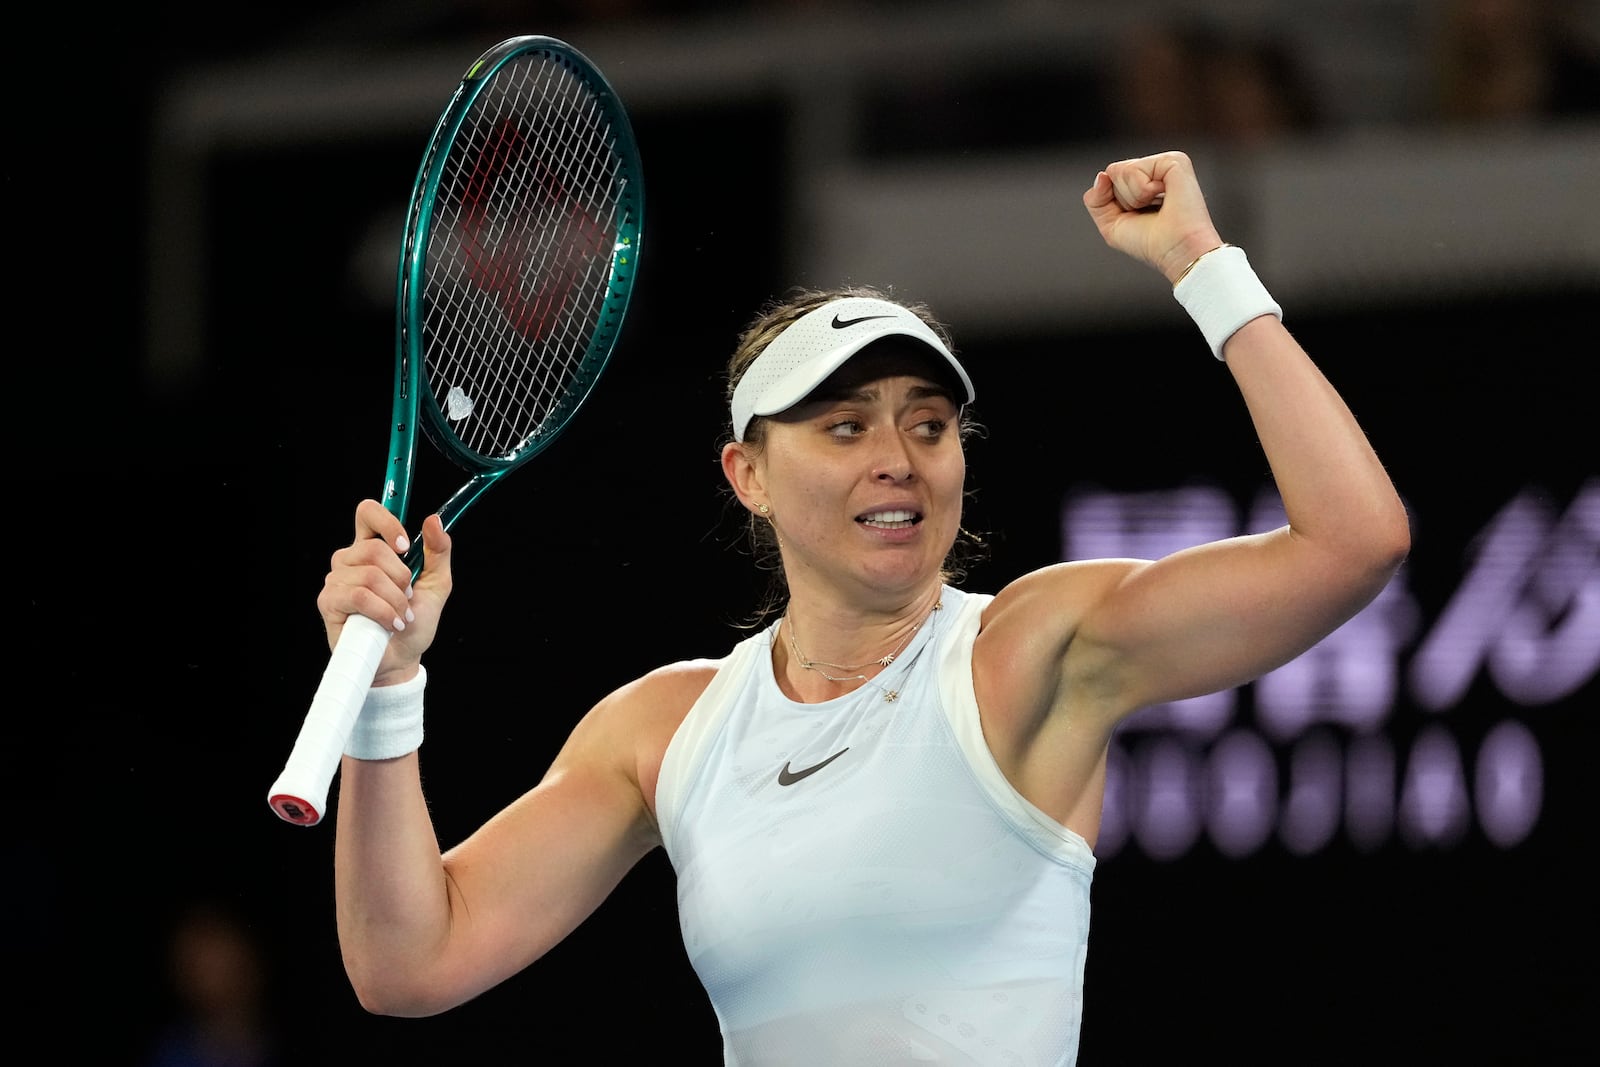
(293,809)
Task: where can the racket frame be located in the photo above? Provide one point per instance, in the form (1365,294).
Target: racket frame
(413,398)
(299,795)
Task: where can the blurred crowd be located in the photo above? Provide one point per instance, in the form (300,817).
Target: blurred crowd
(216,1004)
(1485,62)
(1232,74)
(1497,61)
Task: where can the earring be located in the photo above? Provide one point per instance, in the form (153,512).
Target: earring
(763,509)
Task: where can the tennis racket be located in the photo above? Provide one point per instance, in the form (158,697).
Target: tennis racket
(520,251)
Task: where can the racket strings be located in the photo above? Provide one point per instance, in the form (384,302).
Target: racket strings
(531,200)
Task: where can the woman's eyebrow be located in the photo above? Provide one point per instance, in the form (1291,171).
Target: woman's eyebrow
(866,393)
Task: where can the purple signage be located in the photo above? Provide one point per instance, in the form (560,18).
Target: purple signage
(1319,750)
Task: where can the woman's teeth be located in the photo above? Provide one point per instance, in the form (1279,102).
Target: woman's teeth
(889,520)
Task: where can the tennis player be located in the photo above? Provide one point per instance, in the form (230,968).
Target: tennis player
(881,807)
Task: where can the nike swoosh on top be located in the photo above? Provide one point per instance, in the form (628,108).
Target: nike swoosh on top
(840,324)
(788,777)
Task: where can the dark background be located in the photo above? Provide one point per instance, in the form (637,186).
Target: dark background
(170,541)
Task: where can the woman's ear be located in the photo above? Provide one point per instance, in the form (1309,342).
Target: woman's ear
(744,478)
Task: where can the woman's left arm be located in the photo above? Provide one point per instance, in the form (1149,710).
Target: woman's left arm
(1221,614)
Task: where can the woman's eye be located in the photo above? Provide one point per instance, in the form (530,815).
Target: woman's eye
(931,428)
(844,427)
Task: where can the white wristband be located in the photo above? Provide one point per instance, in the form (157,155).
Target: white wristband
(1221,293)
(390,723)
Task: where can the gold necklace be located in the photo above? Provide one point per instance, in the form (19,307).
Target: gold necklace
(889,695)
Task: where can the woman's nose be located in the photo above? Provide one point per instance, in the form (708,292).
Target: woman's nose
(894,465)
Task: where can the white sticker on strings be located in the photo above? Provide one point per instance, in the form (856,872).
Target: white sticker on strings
(457,404)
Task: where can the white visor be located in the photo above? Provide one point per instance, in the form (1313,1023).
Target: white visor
(817,344)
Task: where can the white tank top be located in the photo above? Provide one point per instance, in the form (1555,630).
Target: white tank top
(858,883)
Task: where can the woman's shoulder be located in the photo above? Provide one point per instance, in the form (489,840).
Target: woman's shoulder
(669,690)
(1060,587)
(665,694)
(682,678)
(1039,613)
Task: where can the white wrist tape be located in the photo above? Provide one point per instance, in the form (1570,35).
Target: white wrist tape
(1221,293)
(390,723)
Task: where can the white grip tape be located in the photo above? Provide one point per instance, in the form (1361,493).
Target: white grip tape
(300,794)
(1221,293)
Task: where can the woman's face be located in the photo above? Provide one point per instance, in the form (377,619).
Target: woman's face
(865,480)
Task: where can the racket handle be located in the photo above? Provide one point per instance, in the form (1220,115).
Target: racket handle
(300,794)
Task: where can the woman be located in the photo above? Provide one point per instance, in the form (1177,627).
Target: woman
(881,808)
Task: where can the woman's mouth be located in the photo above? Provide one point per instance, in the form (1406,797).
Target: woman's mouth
(890,520)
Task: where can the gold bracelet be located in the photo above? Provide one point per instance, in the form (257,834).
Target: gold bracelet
(1185,272)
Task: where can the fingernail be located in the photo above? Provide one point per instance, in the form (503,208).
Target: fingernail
(411,616)
(402,543)
(410,590)
(399,624)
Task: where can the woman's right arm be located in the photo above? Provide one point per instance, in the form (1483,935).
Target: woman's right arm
(422,931)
